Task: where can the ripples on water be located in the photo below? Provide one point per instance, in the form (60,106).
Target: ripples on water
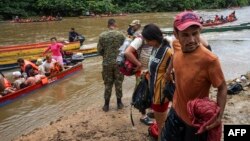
(85,88)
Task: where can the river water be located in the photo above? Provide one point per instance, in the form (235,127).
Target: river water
(78,91)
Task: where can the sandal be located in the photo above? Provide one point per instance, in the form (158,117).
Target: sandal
(147,121)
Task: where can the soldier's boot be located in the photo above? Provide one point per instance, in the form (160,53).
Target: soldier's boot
(119,103)
(105,108)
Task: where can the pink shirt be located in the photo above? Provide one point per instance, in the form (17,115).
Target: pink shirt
(56,49)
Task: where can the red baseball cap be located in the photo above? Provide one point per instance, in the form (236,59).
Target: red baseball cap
(186,19)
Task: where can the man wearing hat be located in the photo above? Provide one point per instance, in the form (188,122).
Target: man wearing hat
(196,69)
(134,27)
(18,79)
(41,69)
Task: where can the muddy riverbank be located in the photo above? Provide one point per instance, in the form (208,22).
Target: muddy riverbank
(94,124)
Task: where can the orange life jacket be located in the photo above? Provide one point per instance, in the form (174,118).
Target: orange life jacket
(57,67)
(26,62)
(7,83)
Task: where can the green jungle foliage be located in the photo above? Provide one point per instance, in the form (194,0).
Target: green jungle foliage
(27,8)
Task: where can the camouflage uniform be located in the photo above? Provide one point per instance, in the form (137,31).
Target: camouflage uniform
(108,45)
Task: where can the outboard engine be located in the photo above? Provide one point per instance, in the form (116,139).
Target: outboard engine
(78,57)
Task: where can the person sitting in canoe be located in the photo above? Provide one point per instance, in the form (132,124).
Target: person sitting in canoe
(18,79)
(217,19)
(232,16)
(48,65)
(41,69)
(222,19)
(74,36)
(5,86)
(201,20)
(56,68)
(33,78)
(23,65)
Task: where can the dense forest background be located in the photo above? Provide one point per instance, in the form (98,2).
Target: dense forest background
(27,8)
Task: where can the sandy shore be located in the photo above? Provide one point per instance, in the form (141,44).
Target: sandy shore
(93,124)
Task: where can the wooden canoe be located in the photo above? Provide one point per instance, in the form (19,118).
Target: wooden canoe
(35,20)
(244,26)
(7,63)
(32,49)
(227,28)
(23,92)
(216,23)
(102,15)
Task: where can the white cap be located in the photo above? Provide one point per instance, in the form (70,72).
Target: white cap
(39,61)
(16,74)
(135,22)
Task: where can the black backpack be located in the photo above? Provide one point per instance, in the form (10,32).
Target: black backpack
(234,89)
(141,98)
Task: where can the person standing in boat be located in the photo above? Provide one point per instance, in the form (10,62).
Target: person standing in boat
(56,50)
(108,47)
(74,36)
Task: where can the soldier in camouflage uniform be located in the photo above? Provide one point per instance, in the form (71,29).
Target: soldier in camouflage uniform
(108,45)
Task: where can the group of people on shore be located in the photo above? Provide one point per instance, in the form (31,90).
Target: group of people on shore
(31,73)
(220,19)
(187,57)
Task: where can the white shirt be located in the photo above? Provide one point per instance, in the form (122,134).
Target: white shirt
(48,66)
(143,50)
(18,82)
(41,69)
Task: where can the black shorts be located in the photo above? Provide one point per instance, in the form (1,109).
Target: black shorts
(177,130)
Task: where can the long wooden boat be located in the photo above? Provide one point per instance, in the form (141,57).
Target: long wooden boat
(244,26)
(217,23)
(25,91)
(35,20)
(7,63)
(32,49)
(227,28)
(101,15)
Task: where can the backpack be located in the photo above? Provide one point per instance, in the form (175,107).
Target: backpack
(141,98)
(126,67)
(234,89)
(120,60)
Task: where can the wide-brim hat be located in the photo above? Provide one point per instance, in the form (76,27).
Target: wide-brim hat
(135,22)
(39,61)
